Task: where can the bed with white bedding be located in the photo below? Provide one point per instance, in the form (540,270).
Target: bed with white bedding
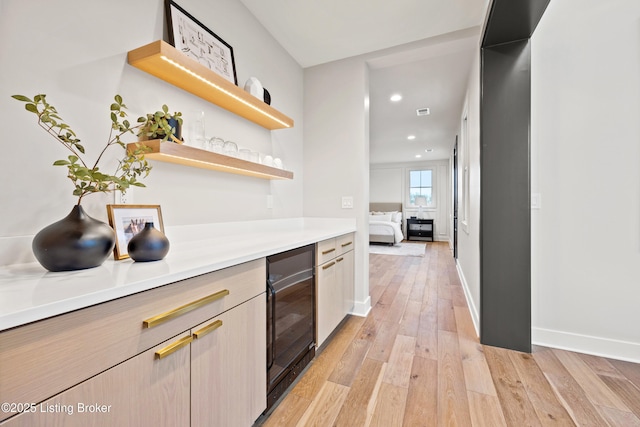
(385,223)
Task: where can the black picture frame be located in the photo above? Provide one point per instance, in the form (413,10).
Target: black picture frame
(199,42)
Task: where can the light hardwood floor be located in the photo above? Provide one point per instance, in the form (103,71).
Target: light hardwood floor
(416,361)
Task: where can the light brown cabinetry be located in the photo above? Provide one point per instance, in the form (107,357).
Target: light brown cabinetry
(228,367)
(346,268)
(334,283)
(142,391)
(329,297)
(119,353)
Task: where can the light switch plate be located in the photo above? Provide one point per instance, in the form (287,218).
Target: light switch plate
(347,202)
(536,201)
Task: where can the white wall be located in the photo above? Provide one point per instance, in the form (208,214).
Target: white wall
(386,184)
(336,155)
(468,262)
(585,166)
(75,52)
(389,182)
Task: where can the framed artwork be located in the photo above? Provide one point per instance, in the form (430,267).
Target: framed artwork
(192,38)
(128,220)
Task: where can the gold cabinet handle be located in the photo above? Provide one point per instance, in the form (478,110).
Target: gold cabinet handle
(331,264)
(161,318)
(328,251)
(346,244)
(209,328)
(340,259)
(173,347)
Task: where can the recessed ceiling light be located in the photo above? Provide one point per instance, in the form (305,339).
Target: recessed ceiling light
(428,150)
(411,137)
(423,111)
(396,97)
(418,156)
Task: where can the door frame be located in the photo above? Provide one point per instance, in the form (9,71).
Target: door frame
(456,202)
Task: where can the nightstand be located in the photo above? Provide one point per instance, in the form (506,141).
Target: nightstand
(419,229)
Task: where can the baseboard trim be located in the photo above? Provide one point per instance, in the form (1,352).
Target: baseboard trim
(475,316)
(363,308)
(596,346)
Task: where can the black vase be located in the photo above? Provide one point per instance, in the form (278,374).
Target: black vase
(267,97)
(150,244)
(75,242)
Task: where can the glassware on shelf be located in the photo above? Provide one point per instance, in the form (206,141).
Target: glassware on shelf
(244,153)
(254,157)
(267,160)
(277,162)
(230,148)
(216,145)
(196,134)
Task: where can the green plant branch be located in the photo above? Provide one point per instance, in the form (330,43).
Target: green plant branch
(57,135)
(91,180)
(111,142)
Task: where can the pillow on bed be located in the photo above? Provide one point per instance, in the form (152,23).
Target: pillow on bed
(382,217)
(395,216)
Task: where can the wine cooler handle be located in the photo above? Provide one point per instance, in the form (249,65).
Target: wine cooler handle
(271,354)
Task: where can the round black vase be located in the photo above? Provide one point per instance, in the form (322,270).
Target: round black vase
(150,244)
(75,242)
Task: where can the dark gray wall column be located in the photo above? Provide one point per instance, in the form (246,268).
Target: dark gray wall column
(505,183)
(505,216)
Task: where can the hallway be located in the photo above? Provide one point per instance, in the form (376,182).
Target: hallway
(416,361)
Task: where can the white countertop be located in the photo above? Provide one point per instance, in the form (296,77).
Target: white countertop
(29,293)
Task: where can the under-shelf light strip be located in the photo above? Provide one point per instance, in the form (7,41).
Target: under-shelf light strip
(215,86)
(221,165)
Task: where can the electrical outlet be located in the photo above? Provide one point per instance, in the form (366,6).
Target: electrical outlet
(121,198)
(347,202)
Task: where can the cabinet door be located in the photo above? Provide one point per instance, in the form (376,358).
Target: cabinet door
(345,243)
(229,367)
(325,251)
(142,391)
(348,282)
(329,296)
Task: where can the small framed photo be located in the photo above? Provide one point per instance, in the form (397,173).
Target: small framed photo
(192,38)
(128,220)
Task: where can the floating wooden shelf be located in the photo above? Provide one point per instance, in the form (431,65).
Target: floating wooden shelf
(190,156)
(164,61)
